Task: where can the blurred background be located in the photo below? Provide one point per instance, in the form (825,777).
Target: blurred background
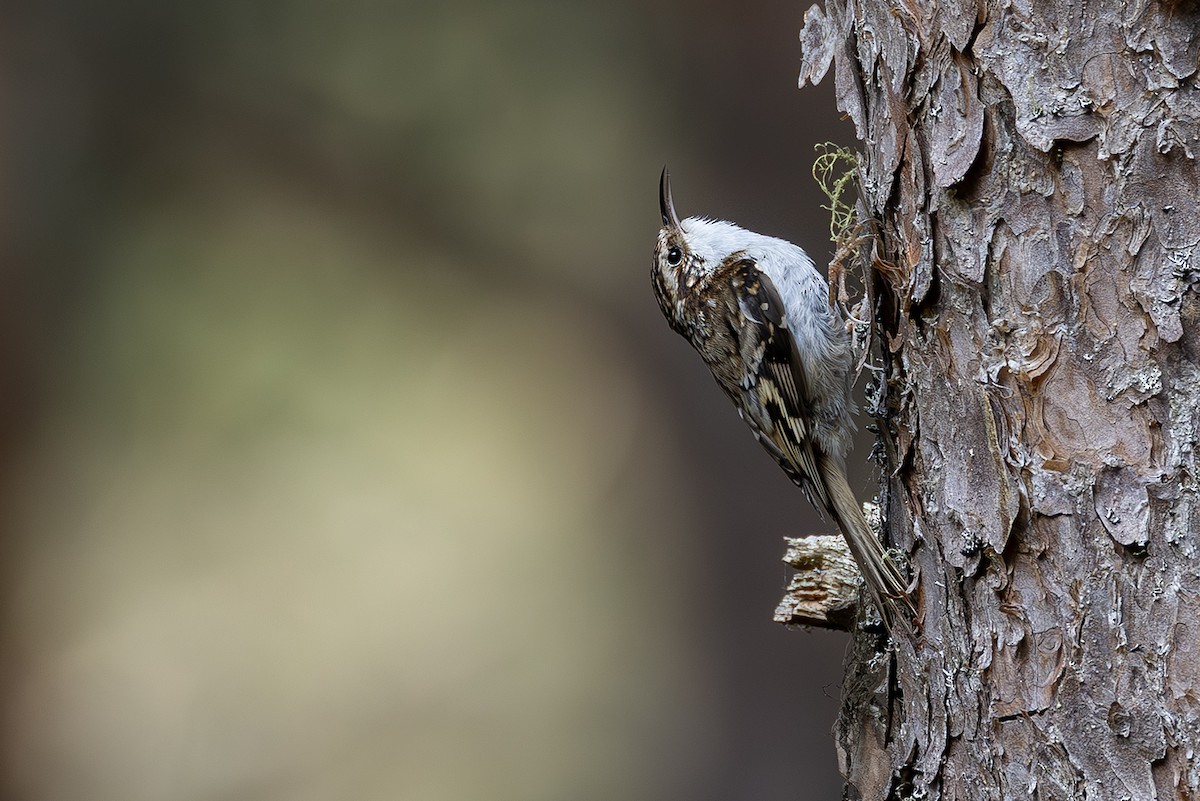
(344,453)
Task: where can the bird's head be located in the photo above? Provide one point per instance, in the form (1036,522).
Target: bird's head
(689,251)
(674,270)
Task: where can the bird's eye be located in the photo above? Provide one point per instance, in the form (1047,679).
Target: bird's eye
(674,256)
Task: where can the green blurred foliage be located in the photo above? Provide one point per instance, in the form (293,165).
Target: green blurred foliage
(341,462)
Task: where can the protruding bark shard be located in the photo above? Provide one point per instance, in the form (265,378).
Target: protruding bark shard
(824,590)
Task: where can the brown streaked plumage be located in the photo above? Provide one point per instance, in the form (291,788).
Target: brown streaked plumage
(757,311)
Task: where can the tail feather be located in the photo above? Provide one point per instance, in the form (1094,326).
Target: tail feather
(883,579)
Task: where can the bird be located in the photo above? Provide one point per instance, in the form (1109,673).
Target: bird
(758,312)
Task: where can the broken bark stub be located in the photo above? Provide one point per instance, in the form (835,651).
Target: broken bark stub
(824,589)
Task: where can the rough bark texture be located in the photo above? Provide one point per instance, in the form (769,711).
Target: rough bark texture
(1033,167)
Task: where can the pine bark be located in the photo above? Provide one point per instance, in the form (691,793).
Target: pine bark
(1032,166)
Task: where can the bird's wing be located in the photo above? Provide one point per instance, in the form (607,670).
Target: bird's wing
(777,401)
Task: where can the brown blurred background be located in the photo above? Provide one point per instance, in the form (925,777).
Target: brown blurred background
(344,452)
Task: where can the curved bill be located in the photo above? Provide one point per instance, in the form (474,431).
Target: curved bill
(665,204)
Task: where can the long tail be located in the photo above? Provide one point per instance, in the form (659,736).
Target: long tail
(883,579)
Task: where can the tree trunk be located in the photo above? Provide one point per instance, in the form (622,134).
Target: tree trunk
(1032,167)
